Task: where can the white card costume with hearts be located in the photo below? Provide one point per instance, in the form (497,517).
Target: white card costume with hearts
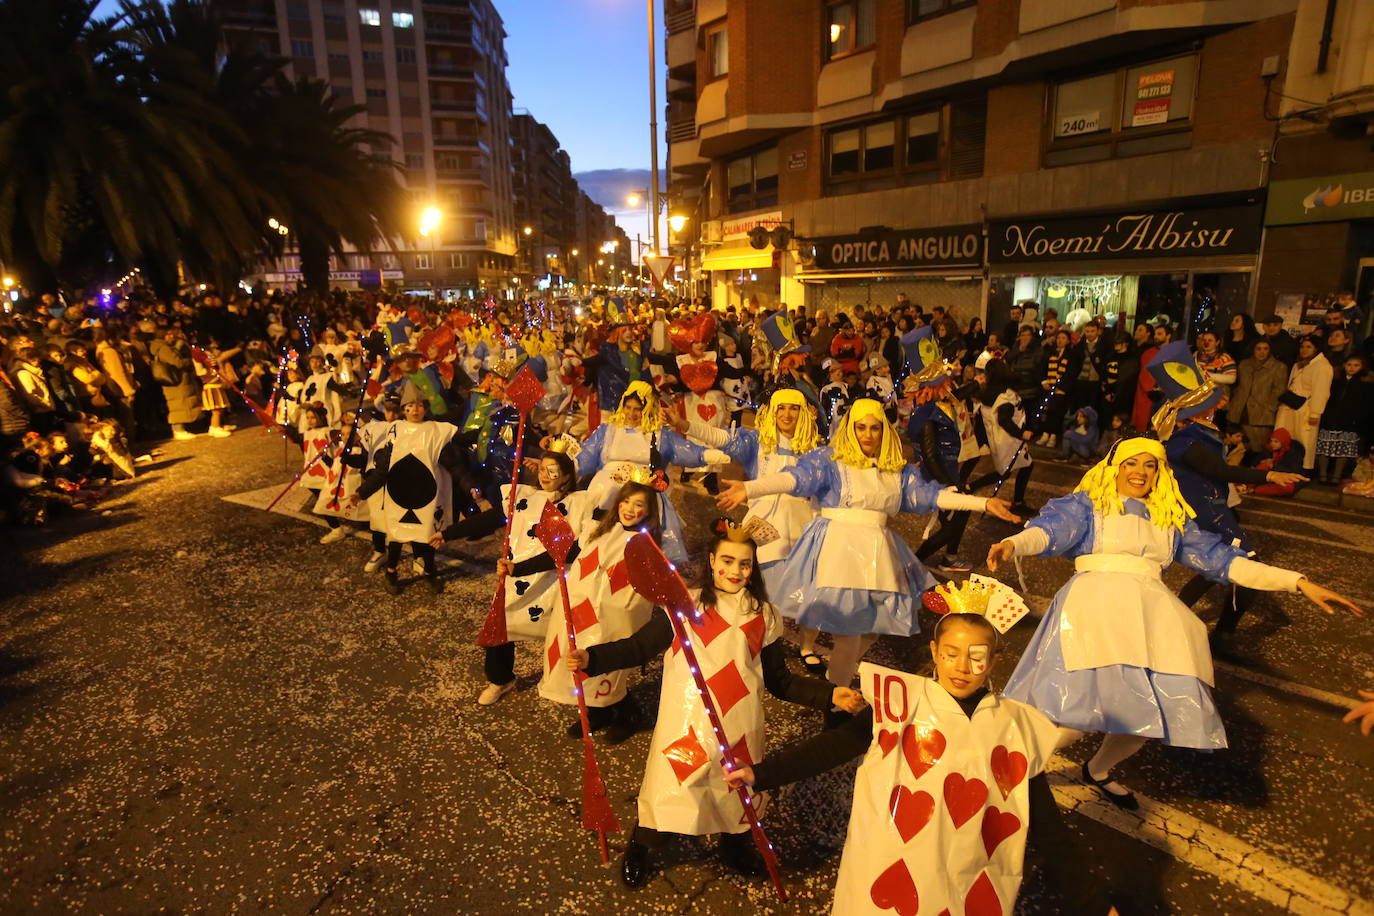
(682,790)
(313,442)
(418,489)
(345,475)
(703,403)
(604,608)
(941,803)
(531,599)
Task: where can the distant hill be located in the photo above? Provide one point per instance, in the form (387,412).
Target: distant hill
(610,187)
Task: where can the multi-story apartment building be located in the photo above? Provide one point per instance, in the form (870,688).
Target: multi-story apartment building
(1319,217)
(545,200)
(1109,155)
(432,75)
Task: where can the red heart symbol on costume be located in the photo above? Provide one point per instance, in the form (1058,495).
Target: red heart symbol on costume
(698,376)
(982,898)
(706,411)
(683,332)
(318,470)
(895,890)
(1008,768)
(964,798)
(922,749)
(910,811)
(997,826)
(887,740)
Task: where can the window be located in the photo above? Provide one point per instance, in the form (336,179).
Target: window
(372,57)
(338,57)
(390,262)
(916,148)
(405,55)
(924,9)
(849,27)
(422,262)
(752,181)
(370,17)
(1146,108)
(301,48)
(374,92)
(458,259)
(403,20)
(415,160)
(718,51)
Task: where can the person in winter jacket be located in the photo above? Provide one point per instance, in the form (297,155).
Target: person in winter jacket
(175,371)
(1346,421)
(1260,380)
(1283,455)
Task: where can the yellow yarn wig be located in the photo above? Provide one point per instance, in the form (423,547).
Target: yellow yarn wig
(645,392)
(846,444)
(1168,508)
(804,437)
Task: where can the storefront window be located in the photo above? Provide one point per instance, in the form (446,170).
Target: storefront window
(1128,112)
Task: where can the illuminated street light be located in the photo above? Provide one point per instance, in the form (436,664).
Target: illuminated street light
(9,282)
(574,252)
(430,218)
(676,222)
(528,230)
(634,200)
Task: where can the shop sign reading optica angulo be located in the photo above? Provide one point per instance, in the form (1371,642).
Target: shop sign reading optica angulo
(938,247)
(1189,231)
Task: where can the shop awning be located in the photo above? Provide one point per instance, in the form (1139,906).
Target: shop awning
(737,257)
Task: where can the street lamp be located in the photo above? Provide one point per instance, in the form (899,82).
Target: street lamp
(676,222)
(430,217)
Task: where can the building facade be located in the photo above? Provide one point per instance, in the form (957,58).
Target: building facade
(1108,155)
(432,76)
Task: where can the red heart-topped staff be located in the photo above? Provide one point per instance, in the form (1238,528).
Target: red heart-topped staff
(523,391)
(557,536)
(656,579)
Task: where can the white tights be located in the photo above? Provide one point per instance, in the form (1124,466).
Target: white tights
(1114,749)
(808,640)
(845,657)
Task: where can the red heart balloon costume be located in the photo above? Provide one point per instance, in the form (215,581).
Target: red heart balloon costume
(940,801)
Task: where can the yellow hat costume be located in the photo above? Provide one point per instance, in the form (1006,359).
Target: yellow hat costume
(804,437)
(846,444)
(651,421)
(1168,508)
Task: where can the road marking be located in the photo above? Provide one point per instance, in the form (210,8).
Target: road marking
(1268,680)
(1207,848)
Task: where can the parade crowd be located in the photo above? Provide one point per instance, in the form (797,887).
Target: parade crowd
(423,423)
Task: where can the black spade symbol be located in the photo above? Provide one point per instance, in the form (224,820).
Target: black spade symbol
(522,586)
(535,612)
(522,505)
(411,484)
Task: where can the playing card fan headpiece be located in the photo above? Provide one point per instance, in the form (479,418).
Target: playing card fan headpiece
(1187,391)
(752,530)
(980,595)
(563,444)
(638,473)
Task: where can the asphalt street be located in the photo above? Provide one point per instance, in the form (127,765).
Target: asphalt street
(204,710)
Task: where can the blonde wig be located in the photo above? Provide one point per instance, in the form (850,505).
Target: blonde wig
(1168,508)
(846,444)
(804,437)
(645,392)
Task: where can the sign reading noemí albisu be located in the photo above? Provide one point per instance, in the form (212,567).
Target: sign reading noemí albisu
(1326,199)
(938,247)
(1188,231)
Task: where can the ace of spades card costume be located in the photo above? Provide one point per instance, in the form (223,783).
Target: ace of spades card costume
(411,468)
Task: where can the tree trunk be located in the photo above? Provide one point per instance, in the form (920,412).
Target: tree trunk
(314,263)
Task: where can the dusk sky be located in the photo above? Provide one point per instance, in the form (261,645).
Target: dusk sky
(581,67)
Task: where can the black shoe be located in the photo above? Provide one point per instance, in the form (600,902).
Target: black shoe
(1223,645)
(436,585)
(634,867)
(738,854)
(392,584)
(813,664)
(1025,511)
(1127,801)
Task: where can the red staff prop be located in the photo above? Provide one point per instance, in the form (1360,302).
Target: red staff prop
(557,536)
(263,416)
(523,391)
(656,579)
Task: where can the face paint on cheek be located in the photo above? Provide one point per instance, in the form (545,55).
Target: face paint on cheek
(978,659)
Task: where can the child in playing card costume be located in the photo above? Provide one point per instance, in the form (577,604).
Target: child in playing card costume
(604,608)
(318,442)
(785,431)
(417,468)
(374,435)
(738,649)
(950,786)
(1117,652)
(848,575)
(634,437)
(344,474)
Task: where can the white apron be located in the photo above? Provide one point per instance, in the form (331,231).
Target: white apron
(941,801)
(418,489)
(683,791)
(604,608)
(789,515)
(1001,444)
(1117,611)
(621,446)
(857,551)
(530,600)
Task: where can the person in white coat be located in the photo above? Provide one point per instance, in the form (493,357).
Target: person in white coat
(1301,406)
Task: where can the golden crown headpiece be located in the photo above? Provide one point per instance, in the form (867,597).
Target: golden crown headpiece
(563,444)
(987,597)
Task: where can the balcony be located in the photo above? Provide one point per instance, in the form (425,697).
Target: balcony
(461,174)
(449,36)
(467,105)
(679,16)
(452,72)
(682,131)
(249,19)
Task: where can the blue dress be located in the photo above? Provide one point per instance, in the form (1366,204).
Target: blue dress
(1118,653)
(849,574)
